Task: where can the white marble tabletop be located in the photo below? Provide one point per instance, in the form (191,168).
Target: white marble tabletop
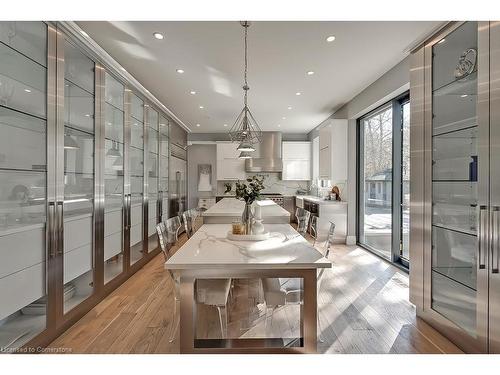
(234,208)
(319,200)
(209,248)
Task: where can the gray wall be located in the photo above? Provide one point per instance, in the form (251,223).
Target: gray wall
(200,154)
(393,83)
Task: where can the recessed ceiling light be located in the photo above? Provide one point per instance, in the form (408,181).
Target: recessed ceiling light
(283,118)
(290,107)
(298,93)
(27,90)
(310,73)
(180,71)
(158,35)
(84,33)
(330,39)
(225,125)
(198,125)
(442,41)
(192,92)
(201,107)
(87,115)
(279,126)
(464,96)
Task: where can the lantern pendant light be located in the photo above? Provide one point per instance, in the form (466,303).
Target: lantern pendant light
(245,129)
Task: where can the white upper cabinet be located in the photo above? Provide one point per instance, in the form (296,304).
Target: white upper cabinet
(296,161)
(333,151)
(229,166)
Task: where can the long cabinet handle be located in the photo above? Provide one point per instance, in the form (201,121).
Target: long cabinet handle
(125,211)
(495,240)
(129,223)
(51,232)
(60,226)
(483,238)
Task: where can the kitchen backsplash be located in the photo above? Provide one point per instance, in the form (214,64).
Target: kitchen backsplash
(272,183)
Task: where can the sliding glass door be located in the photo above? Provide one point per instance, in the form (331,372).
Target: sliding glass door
(383,176)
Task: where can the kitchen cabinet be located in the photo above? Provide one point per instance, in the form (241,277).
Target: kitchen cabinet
(79,181)
(296,158)
(333,151)
(455,184)
(229,165)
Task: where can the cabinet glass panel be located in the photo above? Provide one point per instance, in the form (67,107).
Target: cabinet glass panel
(23,83)
(405,182)
(455,176)
(136,179)
(23,181)
(78,177)
(113,179)
(153,214)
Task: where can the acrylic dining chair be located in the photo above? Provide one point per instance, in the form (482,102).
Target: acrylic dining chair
(302,216)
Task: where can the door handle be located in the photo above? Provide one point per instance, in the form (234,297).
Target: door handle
(483,239)
(495,240)
(51,232)
(125,210)
(129,215)
(60,225)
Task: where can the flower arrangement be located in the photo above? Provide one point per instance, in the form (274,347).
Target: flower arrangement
(249,190)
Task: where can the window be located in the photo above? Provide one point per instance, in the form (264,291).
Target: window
(383,178)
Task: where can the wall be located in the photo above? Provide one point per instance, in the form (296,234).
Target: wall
(200,154)
(393,83)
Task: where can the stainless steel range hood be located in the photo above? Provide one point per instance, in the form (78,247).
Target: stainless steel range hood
(267,154)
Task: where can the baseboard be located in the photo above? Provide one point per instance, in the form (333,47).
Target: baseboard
(350,240)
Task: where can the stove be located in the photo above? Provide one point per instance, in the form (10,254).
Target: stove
(275,197)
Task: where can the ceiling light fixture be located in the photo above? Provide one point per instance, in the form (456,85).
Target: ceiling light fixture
(279,126)
(330,39)
(158,35)
(442,41)
(198,125)
(225,125)
(464,96)
(192,92)
(245,129)
(201,107)
(310,73)
(180,71)
(290,107)
(283,118)
(298,93)
(27,90)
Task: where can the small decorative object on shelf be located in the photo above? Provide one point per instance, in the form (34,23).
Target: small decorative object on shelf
(229,187)
(466,63)
(249,191)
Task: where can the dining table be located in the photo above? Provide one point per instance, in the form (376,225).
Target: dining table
(210,254)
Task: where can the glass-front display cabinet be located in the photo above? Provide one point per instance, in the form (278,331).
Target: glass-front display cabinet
(81,156)
(451,99)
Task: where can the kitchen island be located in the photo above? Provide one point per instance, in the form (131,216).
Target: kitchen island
(209,255)
(228,210)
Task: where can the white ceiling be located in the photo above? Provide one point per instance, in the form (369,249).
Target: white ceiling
(280,54)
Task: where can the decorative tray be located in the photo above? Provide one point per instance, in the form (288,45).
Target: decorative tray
(248,237)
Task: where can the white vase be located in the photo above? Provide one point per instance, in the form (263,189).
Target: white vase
(257,227)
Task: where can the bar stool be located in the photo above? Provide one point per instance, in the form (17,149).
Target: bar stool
(189,218)
(302,216)
(313,229)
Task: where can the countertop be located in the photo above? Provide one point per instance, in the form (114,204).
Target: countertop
(209,248)
(318,200)
(234,208)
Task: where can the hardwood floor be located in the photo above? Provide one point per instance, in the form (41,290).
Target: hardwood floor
(363,308)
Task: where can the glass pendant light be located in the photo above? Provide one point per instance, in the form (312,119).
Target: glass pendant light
(245,155)
(246,146)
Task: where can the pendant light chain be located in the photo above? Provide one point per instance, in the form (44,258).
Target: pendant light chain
(245,87)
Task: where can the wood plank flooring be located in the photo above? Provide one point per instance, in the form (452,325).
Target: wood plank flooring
(363,308)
